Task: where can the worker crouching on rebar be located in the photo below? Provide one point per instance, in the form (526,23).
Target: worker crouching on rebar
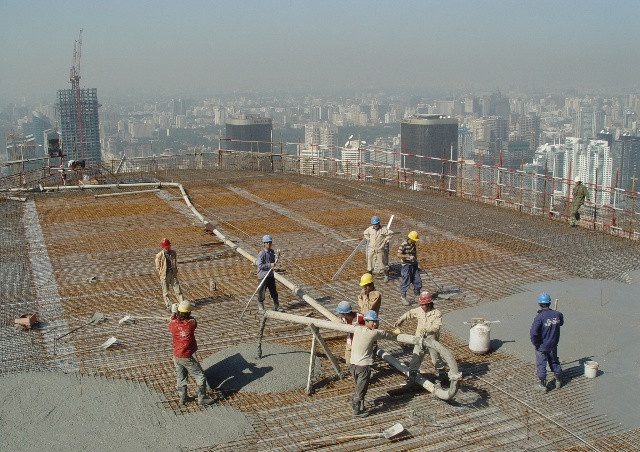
(362,358)
(266,262)
(183,327)
(429,323)
(410,272)
(167,267)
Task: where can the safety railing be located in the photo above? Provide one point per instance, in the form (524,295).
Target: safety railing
(610,208)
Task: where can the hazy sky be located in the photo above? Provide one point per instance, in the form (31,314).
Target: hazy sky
(208,47)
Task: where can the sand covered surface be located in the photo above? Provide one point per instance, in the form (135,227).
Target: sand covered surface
(602,323)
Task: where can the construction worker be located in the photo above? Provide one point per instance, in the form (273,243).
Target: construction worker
(167,267)
(377,238)
(349,317)
(266,262)
(183,327)
(545,335)
(362,358)
(580,192)
(410,272)
(369,297)
(429,323)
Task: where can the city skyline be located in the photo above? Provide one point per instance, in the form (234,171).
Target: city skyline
(209,48)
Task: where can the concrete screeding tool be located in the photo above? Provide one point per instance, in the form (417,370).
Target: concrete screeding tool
(132,318)
(95,318)
(348,259)
(105,345)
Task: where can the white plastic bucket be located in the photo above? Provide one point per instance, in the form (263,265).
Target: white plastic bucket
(590,369)
(479,338)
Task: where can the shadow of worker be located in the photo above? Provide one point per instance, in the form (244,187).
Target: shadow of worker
(233,373)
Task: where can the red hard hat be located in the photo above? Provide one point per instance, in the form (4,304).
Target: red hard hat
(165,243)
(424,298)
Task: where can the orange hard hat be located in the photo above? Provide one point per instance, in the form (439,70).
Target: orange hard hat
(424,298)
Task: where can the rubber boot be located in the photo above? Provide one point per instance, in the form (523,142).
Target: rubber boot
(386,276)
(182,390)
(403,298)
(260,306)
(541,386)
(558,376)
(355,408)
(276,307)
(416,295)
(363,410)
(202,396)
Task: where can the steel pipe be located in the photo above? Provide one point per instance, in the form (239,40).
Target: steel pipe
(442,393)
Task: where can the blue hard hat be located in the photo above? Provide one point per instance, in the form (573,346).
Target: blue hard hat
(267,238)
(344,307)
(544,298)
(375,219)
(371,315)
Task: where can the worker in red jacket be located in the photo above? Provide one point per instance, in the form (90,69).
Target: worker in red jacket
(183,327)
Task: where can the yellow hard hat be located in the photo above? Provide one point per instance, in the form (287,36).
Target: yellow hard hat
(185,307)
(413,235)
(365,279)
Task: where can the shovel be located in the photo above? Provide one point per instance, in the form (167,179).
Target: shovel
(108,343)
(96,317)
(389,433)
(132,318)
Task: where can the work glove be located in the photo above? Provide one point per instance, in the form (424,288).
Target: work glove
(174,308)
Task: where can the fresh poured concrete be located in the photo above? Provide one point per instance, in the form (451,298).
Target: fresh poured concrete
(601,323)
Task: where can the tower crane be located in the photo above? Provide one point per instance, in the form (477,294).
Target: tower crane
(74,77)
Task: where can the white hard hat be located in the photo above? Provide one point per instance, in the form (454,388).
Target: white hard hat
(577,179)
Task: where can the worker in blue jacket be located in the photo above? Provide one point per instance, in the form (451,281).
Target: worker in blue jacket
(545,335)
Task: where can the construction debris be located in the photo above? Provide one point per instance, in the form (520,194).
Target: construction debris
(27,320)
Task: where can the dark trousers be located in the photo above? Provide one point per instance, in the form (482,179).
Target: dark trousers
(550,357)
(410,275)
(269,283)
(361,376)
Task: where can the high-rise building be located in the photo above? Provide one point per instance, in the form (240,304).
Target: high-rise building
(490,136)
(434,136)
(587,122)
(40,124)
(626,157)
(252,131)
(591,160)
(465,143)
(79,126)
(321,134)
(528,129)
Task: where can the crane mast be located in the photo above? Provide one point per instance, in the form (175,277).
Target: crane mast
(75,86)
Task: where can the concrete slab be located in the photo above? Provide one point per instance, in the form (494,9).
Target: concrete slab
(602,323)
